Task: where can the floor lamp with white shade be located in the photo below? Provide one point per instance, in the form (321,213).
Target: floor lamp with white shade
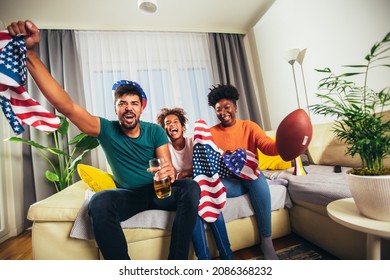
(292,56)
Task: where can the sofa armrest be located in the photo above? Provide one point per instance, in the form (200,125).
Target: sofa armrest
(62,206)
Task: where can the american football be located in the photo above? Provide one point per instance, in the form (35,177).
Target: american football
(293,134)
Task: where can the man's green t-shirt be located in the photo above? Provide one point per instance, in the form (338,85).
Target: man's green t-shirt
(129,157)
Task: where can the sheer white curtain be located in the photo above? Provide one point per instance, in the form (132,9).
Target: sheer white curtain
(174,70)
(4,177)
(11,184)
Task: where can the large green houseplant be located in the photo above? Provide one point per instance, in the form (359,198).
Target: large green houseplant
(360,123)
(359,110)
(63,163)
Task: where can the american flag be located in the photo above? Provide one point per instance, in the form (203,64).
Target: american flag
(17,105)
(208,167)
(243,163)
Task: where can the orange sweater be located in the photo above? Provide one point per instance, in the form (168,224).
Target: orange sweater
(243,134)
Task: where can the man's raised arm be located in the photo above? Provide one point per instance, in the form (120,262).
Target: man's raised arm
(53,92)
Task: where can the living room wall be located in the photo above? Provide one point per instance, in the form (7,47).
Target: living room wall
(335,33)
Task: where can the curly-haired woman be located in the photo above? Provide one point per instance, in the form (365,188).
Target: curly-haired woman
(181,148)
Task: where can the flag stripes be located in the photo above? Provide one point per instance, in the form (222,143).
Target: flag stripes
(207,165)
(17,105)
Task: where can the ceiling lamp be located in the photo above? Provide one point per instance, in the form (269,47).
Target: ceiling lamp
(147,6)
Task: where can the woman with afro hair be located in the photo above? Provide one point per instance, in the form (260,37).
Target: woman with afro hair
(231,134)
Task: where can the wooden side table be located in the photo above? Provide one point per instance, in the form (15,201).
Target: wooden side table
(345,212)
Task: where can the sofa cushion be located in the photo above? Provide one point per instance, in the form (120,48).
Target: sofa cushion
(272,162)
(96,179)
(236,208)
(320,185)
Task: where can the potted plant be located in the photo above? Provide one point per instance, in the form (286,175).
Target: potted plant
(360,122)
(64,164)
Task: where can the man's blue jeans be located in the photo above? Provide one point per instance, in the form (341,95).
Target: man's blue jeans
(199,240)
(260,197)
(107,209)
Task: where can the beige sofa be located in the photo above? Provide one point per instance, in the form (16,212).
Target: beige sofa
(53,220)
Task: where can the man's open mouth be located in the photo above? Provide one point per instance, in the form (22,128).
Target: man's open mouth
(129,116)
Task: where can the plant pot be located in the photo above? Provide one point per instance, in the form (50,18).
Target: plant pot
(371,195)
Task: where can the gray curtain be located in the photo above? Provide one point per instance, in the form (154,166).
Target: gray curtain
(230,66)
(58,52)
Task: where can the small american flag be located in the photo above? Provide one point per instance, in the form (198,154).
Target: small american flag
(242,163)
(208,166)
(17,105)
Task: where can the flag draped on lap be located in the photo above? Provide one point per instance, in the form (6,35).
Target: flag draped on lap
(208,166)
(17,105)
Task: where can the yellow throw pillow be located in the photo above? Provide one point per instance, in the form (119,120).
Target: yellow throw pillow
(272,162)
(96,179)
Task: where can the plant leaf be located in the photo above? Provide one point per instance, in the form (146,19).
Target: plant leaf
(56,151)
(51,176)
(28,142)
(64,125)
(77,138)
(78,159)
(88,142)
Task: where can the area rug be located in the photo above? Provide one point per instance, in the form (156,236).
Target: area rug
(296,252)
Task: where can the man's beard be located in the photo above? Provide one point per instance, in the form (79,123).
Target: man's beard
(127,126)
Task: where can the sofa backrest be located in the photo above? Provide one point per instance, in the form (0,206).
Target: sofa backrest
(325,149)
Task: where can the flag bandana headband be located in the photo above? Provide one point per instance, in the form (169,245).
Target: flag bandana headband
(18,107)
(136,85)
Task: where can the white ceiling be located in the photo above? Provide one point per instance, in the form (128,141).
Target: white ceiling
(220,16)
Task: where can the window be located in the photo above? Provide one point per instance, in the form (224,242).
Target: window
(174,69)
